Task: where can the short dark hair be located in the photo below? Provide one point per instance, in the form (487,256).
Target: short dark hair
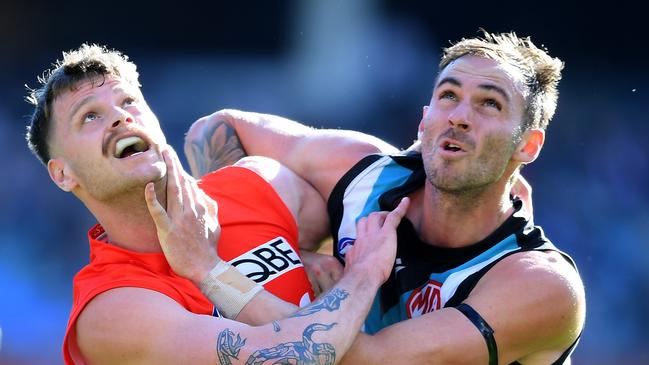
(540,71)
(88,62)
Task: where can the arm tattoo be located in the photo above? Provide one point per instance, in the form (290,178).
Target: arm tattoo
(276,326)
(218,146)
(330,302)
(305,352)
(228,347)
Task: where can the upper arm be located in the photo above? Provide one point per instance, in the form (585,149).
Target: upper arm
(321,157)
(134,325)
(140,326)
(533,301)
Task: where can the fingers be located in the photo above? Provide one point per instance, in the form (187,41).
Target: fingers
(382,219)
(394,217)
(181,188)
(174,195)
(159,215)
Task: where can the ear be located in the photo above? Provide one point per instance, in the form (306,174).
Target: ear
(420,130)
(61,175)
(530,146)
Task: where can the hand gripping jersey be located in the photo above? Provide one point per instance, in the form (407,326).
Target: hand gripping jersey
(425,278)
(258,237)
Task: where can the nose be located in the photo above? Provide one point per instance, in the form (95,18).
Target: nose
(461,117)
(122,117)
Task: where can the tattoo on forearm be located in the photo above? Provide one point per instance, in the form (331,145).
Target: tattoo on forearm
(276,326)
(218,147)
(228,347)
(330,302)
(305,352)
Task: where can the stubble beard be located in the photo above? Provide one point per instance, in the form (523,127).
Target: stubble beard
(117,186)
(469,179)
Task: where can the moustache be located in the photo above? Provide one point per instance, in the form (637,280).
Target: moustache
(456,135)
(111,135)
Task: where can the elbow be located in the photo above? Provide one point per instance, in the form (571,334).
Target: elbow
(195,129)
(203,125)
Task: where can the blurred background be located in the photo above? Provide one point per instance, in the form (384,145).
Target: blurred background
(365,65)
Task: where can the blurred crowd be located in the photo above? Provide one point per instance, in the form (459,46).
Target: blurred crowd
(355,66)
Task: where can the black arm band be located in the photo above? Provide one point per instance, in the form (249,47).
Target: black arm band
(484,329)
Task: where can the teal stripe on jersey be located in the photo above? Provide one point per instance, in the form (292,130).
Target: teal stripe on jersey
(504,246)
(391,176)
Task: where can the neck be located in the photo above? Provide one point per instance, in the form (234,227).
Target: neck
(127,221)
(457,220)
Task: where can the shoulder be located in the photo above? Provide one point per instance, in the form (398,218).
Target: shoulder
(288,185)
(535,299)
(537,274)
(265,167)
(281,178)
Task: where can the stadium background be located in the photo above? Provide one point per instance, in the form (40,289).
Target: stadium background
(365,65)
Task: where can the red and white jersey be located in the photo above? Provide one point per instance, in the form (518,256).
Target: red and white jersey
(258,236)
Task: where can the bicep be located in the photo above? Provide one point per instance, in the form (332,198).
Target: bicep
(141,326)
(134,325)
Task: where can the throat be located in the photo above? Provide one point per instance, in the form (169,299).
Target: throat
(127,222)
(452,221)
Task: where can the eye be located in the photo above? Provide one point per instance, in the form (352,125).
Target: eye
(129,101)
(492,103)
(89,117)
(447,95)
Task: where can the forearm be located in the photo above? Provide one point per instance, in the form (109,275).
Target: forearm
(264,308)
(337,316)
(145,326)
(345,308)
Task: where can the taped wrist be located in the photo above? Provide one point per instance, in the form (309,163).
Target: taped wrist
(228,289)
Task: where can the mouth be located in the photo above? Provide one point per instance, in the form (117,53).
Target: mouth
(451,146)
(130,146)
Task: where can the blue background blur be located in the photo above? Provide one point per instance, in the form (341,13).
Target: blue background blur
(365,65)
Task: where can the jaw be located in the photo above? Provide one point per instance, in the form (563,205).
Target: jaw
(118,180)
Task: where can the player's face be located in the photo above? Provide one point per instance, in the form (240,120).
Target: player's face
(107,138)
(471,128)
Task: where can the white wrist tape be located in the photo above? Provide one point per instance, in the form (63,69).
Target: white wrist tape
(229,289)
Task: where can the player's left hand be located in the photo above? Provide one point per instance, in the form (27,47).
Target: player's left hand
(188,229)
(375,248)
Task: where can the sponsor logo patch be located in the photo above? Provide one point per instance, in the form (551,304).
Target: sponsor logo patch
(268,261)
(424,299)
(345,244)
